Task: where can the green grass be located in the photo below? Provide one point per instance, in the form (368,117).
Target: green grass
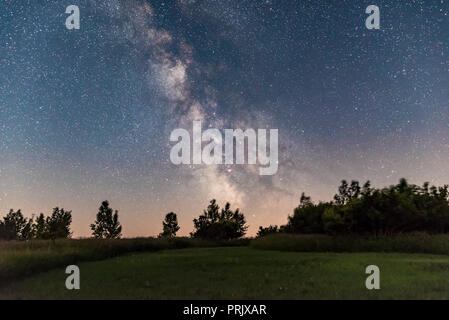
(19,259)
(244,273)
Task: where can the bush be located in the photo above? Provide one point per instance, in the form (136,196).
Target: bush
(406,243)
(266,231)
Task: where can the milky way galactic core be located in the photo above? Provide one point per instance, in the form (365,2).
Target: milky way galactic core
(91,91)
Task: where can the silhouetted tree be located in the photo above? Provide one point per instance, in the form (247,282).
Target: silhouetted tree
(40,228)
(219,225)
(28,231)
(169,226)
(396,209)
(348,192)
(14,226)
(307,217)
(305,200)
(106,226)
(266,231)
(58,224)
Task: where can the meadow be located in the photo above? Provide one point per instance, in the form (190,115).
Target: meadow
(22,258)
(243,273)
(274,267)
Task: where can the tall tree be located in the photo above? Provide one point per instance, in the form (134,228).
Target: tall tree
(106,226)
(27,230)
(58,224)
(169,226)
(13,225)
(219,225)
(40,227)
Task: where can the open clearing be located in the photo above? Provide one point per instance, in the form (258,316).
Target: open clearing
(244,273)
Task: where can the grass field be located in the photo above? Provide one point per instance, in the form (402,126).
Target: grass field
(22,258)
(243,273)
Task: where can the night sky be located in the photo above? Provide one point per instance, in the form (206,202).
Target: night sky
(86,115)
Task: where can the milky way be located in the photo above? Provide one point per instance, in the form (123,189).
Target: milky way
(86,115)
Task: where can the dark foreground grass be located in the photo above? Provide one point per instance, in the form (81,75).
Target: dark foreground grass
(19,259)
(244,273)
(406,243)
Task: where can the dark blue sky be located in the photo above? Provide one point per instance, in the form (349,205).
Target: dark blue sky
(85,115)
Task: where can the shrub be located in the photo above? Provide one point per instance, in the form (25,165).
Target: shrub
(406,243)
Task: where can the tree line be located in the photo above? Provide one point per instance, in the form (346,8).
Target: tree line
(355,209)
(213,224)
(362,210)
(16,227)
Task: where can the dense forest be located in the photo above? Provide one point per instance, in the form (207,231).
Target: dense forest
(363,210)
